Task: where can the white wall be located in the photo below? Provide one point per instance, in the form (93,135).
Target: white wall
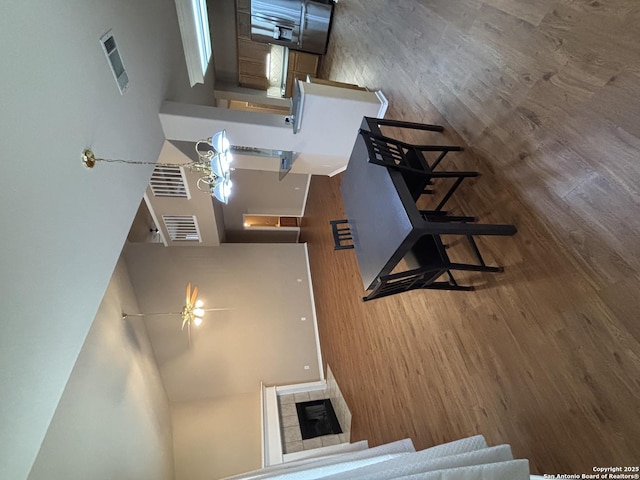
(261,192)
(260,339)
(222,17)
(199,204)
(113,419)
(64,226)
(217,438)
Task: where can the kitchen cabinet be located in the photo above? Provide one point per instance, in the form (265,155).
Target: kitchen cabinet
(243,24)
(252,56)
(252,64)
(301,64)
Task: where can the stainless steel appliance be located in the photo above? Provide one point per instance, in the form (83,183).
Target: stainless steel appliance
(296,24)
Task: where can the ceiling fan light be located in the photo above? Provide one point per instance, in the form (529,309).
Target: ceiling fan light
(197,321)
(199,303)
(198,312)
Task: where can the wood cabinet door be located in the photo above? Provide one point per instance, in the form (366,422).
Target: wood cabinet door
(252,68)
(243,24)
(305,63)
(252,51)
(243,5)
(252,81)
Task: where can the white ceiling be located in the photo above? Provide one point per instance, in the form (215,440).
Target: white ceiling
(64,226)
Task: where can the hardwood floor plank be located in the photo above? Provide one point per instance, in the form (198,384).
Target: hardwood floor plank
(546,355)
(619,102)
(530,12)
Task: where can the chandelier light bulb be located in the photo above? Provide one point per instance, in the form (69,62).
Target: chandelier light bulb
(220,143)
(226,158)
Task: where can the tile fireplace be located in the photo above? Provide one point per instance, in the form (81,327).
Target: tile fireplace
(292,432)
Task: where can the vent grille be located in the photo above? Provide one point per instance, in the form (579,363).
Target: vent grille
(182,228)
(168,181)
(115,61)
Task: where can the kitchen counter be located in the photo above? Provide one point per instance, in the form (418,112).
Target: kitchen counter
(297,102)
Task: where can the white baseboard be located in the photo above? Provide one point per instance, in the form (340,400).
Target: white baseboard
(315,317)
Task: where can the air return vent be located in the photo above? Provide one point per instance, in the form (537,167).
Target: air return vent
(168,181)
(110,48)
(182,228)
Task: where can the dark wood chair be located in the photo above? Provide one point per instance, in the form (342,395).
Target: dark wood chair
(409,160)
(443,216)
(428,262)
(443,149)
(342,239)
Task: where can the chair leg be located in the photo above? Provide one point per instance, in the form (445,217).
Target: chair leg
(450,218)
(475,268)
(448,286)
(438,160)
(474,246)
(433,213)
(412,125)
(449,193)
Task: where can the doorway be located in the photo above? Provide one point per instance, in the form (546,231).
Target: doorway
(269,222)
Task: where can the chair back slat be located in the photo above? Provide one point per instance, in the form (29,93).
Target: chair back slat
(389,152)
(342,239)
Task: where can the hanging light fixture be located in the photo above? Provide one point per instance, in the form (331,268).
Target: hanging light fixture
(192,312)
(214,163)
(217,158)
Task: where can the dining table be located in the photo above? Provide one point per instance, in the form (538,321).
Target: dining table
(383,216)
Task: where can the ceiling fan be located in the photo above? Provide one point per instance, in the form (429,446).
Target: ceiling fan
(192,311)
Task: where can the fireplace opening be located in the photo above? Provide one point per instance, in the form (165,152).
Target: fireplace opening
(317,418)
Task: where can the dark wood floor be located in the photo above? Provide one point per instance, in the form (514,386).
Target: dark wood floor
(545,96)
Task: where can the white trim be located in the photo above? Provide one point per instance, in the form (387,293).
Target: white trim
(164,179)
(271,439)
(316,452)
(178,224)
(301,387)
(159,226)
(263,429)
(190,20)
(339,170)
(306,195)
(384,103)
(315,317)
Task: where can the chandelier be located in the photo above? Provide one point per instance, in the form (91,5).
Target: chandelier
(214,165)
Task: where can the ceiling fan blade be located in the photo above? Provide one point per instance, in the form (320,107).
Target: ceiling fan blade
(188,293)
(194,295)
(189,333)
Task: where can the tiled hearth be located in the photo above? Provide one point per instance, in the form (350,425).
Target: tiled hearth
(290,426)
